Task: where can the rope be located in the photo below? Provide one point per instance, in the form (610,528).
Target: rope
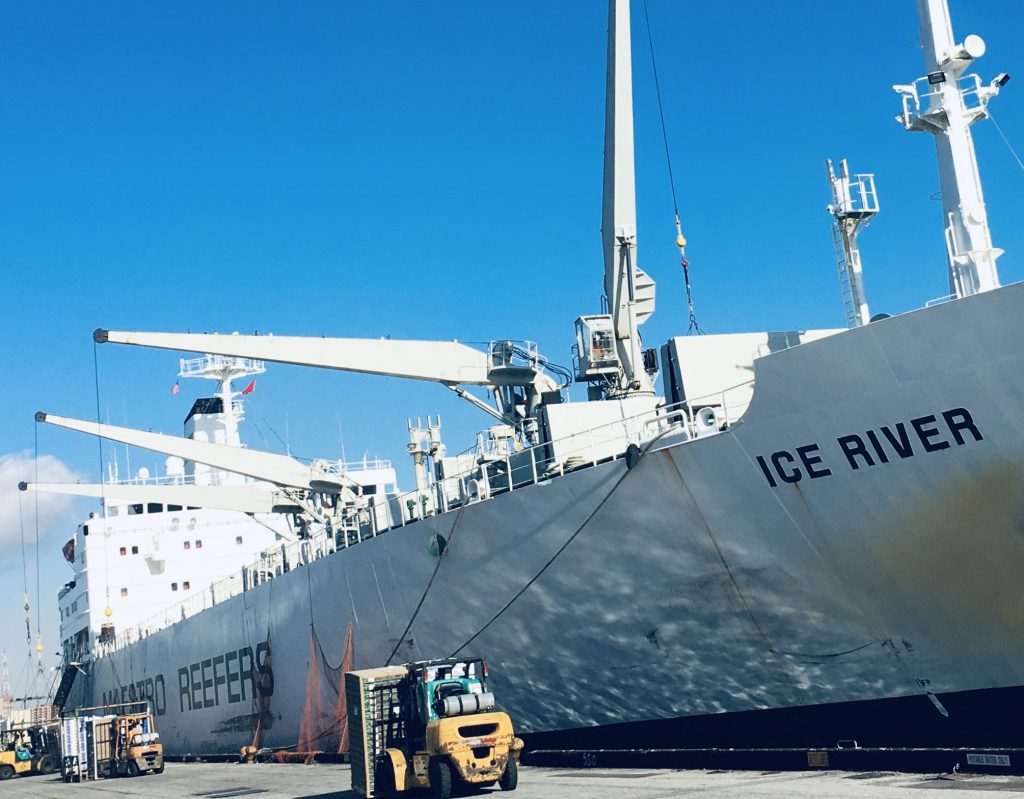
(39,602)
(430,582)
(560,550)
(1006,141)
(680,239)
(661,112)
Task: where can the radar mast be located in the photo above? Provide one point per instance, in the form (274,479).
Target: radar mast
(945,103)
(854,205)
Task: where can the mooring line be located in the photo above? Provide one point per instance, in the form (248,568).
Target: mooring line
(643,451)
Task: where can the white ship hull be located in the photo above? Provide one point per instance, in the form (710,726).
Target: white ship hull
(688,589)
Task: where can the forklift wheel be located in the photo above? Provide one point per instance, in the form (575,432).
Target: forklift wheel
(47,766)
(133,768)
(510,779)
(6,772)
(440,773)
(384,779)
(159,769)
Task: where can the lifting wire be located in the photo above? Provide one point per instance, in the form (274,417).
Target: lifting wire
(39,603)
(1006,141)
(680,239)
(24,573)
(107,611)
(423,598)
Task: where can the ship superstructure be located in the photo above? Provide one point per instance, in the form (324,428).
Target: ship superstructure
(164,547)
(811,537)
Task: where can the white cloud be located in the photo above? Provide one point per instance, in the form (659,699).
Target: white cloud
(55,510)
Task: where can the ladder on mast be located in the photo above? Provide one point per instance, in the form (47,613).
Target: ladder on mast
(854,205)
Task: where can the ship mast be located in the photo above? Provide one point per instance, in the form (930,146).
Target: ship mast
(854,205)
(224,369)
(953,102)
(629,291)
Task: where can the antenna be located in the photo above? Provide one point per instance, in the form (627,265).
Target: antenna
(945,103)
(341,439)
(854,205)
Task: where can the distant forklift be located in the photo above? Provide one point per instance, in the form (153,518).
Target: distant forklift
(34,750)
(430,724)
(112,741)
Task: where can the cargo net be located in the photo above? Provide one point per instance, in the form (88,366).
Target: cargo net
(323,726)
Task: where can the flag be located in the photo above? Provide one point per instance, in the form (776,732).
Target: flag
(249,388)
(175,389)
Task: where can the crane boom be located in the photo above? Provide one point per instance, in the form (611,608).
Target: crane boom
(241,498)
(629,290)
(281,470)
(446,362)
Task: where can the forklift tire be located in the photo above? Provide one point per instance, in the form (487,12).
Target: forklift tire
(159,769)
(384,779)
(6,772)
(133,768)
(510,779)
(47,766)
(440,773)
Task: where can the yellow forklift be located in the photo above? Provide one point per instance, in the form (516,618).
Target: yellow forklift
(112,741)
(428,725)
(34,750)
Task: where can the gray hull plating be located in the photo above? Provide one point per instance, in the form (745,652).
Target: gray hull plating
(687,585)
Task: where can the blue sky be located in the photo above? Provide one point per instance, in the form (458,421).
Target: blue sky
(426,171)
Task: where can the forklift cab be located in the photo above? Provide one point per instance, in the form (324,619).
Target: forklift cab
(434,690)
(433,684)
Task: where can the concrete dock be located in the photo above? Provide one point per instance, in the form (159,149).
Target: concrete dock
(325,781)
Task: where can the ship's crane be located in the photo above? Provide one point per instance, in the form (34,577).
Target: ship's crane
(242,498)
(296,482)
(608,347)
(505,367)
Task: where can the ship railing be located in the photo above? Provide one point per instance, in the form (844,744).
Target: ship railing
(191,367)
(270,565)
(155,480)
(683,421)
(923,99)
(940,300)
(513,470)
(365,464)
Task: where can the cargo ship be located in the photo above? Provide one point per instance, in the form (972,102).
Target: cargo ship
(810,537)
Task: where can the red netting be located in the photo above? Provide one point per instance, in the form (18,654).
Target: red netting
(308,735)
(324,723)
(341,709)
